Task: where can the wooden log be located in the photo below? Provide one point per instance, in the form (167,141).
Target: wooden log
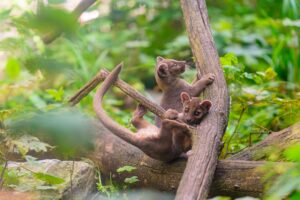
(201,166)
(233,178)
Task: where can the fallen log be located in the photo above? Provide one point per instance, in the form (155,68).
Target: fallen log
(233,178)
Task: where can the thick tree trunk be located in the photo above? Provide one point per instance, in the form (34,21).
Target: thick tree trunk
(275,142)
(201,166)
(233,178)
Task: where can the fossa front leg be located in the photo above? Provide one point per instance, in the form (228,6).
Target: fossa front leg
(199,85)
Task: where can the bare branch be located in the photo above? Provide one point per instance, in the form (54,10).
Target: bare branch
(126,88)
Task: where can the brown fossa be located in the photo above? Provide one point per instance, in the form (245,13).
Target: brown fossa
(167,75)
(165,143)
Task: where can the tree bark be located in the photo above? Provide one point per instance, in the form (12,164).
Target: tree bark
(233,178)
(201,166)
(275,142)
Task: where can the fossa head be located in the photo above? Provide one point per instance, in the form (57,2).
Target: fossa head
(169,68)
(193,109)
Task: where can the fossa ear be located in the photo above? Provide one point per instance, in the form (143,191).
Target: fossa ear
(162,70)
(206,105)
(185,97)
(159,59)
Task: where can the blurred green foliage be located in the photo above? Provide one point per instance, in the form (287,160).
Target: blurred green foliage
(258,41)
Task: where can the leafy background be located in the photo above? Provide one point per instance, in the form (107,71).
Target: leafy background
(257,40)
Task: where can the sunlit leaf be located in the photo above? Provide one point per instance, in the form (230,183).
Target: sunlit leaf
(131,180)
(229,59)
(248,75)
(292,153)
(49,179)
(13,68)
(270,73)
(57,95)
(126,169)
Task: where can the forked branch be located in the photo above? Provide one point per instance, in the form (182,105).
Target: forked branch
(125,87)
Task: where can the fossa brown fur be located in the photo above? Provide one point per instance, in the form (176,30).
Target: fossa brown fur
(165,143)
(167,75)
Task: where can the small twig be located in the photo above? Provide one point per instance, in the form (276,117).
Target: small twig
(262,127)
(232,153)
(2,174)
(234,132)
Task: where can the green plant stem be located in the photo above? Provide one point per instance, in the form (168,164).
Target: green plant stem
(71,177)
(2,174)
(234,132)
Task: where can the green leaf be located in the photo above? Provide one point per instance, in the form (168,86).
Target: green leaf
(295,196)
(4,14)
(57,95)
(248,75)
(229,59)
(5,113)
(49,179)
(131,180)
(126,168)
(13,68)
(27,142)
(292,153)
(270,73)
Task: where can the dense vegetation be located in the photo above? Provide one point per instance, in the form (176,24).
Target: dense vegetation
(257,40)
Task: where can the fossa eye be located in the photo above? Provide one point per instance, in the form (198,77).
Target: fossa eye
(196,113)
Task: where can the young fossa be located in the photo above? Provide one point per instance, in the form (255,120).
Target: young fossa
(167,75)
(165,143)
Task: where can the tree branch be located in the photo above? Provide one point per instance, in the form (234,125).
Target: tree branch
(201,166)
(126,88)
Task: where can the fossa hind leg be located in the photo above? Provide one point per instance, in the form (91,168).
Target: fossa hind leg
(137,119)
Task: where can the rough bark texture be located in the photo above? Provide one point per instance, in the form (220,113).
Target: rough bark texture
(201,166)
(233,178)
(275,141)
